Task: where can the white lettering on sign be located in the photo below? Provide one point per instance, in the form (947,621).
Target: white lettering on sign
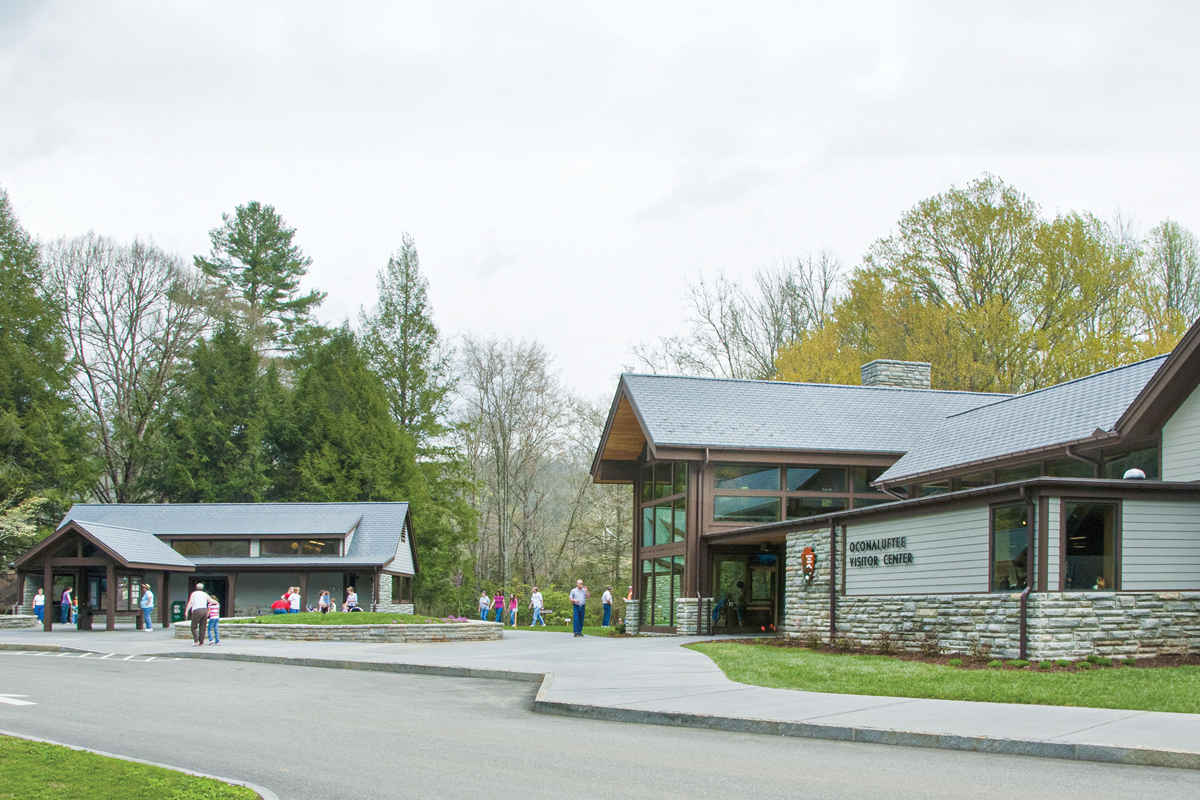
(873,546)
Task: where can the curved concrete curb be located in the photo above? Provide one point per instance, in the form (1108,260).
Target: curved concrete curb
(264,793)
(1107,754)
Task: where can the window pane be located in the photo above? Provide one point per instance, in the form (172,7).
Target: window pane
(681,472)
(679,509)
(1145,460)
(815,479)
(799,507)
(1018,473)
(1069,468)
(662,480)
(647,484)
(280,547)
(1009,540)
(872,500)
(192,547)
(647,526)
(745,509)
(662,525)
(863,476)
(975,481)
(324,547)
(937,487)
(739,477)
(1091,547)
(231,548)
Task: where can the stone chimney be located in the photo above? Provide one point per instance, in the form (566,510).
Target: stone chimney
(885,372)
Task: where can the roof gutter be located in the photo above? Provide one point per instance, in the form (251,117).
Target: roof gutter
(1097,467)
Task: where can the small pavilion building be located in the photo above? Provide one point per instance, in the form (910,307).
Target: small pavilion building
(245,554)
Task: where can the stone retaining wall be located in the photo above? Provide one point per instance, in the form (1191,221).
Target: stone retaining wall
(10,621)
(685,616)
(434,632)
(1061,625)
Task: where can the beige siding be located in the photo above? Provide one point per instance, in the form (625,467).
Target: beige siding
(1053,544)
(1160,545)
(1181,442)
(949,550)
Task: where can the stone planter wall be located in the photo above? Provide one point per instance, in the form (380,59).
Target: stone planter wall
(434,632)
(1061,624)
(685,616)
(10,621)
(633,615)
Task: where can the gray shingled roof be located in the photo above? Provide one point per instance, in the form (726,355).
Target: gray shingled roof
(375,542)
(134,546)
(739,414)
(1053,416)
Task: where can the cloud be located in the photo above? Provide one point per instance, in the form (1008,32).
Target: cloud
(705,187)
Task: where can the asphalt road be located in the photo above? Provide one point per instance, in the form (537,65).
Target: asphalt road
(337,735)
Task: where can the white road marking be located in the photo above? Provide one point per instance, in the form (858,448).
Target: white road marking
(106,655)
(10,700)
(126,658)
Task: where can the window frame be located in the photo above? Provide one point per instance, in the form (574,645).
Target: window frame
(991,559)
(1118,526)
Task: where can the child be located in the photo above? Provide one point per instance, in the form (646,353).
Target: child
(485,604)
(323,603)
(214,614)
(512,610)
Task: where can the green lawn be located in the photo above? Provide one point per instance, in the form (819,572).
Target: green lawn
(1159,689)
(38,771)
(335,618)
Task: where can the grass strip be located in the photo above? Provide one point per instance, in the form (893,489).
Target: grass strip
(1174,689)
(336,618)
(39,771)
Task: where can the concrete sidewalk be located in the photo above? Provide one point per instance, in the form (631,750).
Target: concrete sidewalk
(655,680)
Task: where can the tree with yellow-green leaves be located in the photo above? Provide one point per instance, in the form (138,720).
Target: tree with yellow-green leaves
(1000,298)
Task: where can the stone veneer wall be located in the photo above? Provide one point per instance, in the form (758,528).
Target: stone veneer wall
(633,617)
(685,615)
(885,372)
(9,621)
(435,632)
(385,603)
(1061,625)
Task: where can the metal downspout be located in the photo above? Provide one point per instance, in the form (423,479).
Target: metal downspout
(1096,466)
(1030,562)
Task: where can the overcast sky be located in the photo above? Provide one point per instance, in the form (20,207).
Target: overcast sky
(565,168)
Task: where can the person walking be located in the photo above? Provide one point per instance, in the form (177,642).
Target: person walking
(214,616)
(196,610)
(498,607)
(579,598)
(606,601)
(512,610)
(485,604)
(536,602)
(147,606)
(67,602)
(39,605)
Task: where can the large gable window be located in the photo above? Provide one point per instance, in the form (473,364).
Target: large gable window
(299,547)
(664,509)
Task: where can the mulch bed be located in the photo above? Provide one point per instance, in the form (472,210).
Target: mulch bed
(969,662)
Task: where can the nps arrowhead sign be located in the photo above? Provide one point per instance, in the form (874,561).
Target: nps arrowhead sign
(808,563)
(11,700)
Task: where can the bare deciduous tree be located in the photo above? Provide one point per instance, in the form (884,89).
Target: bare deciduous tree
(129,313)
(737,332)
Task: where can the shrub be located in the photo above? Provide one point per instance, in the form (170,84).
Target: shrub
(1129,662)
(1093,658)
(619,628)
(843,644)
(956,662)
(1103,662)
(1045,664)
(813,642)
(1084,665)
(931,645)
(996,664)
(887,645)
(1062,662)
(1018,662)
(980,650)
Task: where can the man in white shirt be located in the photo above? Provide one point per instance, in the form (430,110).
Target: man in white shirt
(196,610)
(535,602)
(579,597)
(147,606)
(606,601)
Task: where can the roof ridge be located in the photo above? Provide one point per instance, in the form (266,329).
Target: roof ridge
(1010,398)
(267,503)
(86,522)
(816,385)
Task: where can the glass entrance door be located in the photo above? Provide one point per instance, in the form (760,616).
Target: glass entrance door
(745,592)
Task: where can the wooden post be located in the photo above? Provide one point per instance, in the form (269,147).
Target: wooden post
(303,590)
(231,611)
(48,590)
(164,606)
(110,623)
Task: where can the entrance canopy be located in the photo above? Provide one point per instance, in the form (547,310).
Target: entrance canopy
(89,552)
